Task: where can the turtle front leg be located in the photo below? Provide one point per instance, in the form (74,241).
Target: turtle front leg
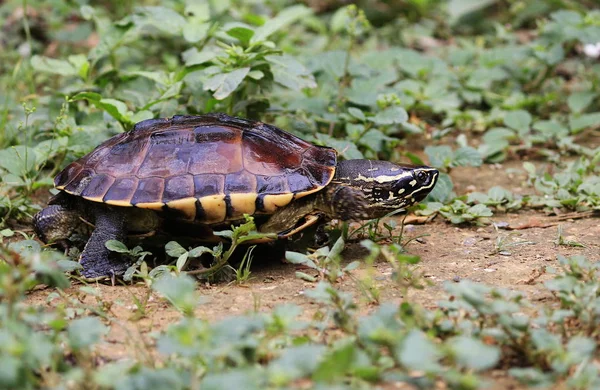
(96,259)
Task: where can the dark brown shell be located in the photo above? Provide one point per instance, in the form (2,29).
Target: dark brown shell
(209,168)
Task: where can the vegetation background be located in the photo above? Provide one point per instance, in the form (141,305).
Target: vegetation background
(501,95)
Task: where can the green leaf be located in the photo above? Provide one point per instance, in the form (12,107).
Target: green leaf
(330,62)
(7,232)
(194,57)
(337,363)
(141,116)
(579,101)
(352,266)
(223,84)
(230,379)
(581,348)
(90,96)
(20,161)
(577,123)
(356,113)
(295,363)
(87,12)
(194,32)
(340,20)
(459,8)
(439,156)
(299,258)
(116,246)
(25,247)
(116,108)
(182,261)
(199,251)
(180,290)
(377,141)
(337,248)
(164,19)
(82,333)
(518,120)
(256,74)
(284,18)
(158,77)
(480,210)
(173,249)
(198,11)
(389,116)
(551,128)
(467,157)
(533,377)
(346,149)
(417,352)
(81,64)
(290,73)
(242,34)
(473,354)
(50,65)
(442,192)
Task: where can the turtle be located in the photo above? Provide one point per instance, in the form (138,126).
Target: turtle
(210,170)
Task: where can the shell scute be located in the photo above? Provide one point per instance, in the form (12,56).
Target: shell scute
(121,190)
(299,181)
(272,184)
(80,181)
(149,190)
(205,185)
(240,182)
(67,175)
(178,187)
(98,186)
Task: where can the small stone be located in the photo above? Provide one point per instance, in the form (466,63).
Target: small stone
(470,241)
(456,279)
(504,253)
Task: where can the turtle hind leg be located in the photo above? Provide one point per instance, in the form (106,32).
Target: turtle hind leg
(97,261)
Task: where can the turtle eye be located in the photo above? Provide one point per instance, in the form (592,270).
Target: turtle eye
(422,176)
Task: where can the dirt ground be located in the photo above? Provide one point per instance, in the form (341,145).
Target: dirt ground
(449,253)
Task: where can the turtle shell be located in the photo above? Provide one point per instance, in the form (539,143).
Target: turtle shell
(209,168)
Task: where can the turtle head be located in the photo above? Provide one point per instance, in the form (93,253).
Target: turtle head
(386,186)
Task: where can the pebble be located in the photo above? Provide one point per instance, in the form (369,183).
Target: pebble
(456,279)
(470,241)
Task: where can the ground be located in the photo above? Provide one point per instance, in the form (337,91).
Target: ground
(449,253)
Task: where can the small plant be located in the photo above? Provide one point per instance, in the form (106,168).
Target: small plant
(325,261)
(238,235)
(561,241)
(242,272)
